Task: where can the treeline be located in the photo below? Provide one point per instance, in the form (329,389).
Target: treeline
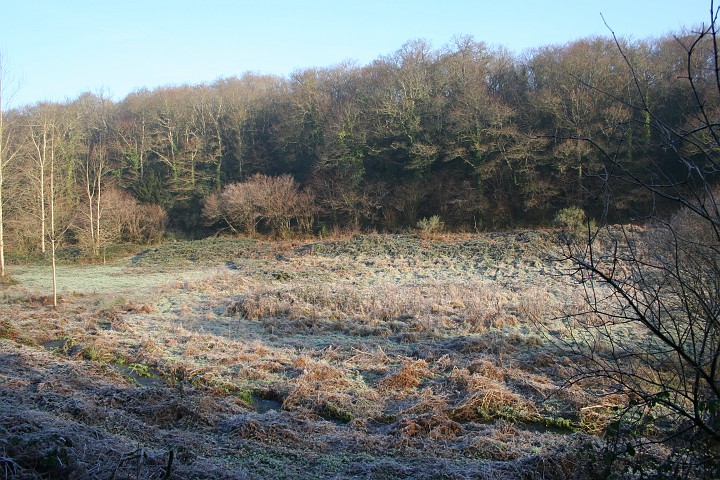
(478,136)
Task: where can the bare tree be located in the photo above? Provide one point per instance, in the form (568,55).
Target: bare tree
(95,113)
(53,234)
(7,153)
(46,134)
(650,329)
(39,136)
(122,219)
(2,165)
(275,201)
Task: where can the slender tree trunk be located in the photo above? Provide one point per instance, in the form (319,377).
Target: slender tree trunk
(2,178)
(54,273)
(2,222)
(42,152)
(94,171)
(53,240)
(40,145)
(2,231)
(42,212)
(89,190)
(141,153)
(97,211)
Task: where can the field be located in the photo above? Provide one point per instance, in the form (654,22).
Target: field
(374,356)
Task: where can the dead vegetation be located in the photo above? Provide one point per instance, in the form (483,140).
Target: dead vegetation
(370,357)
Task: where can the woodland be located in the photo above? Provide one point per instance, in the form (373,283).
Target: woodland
(474,137)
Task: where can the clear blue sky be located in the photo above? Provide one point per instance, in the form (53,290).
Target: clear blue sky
(61,48)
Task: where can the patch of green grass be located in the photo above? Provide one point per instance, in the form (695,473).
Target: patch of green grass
(246,396)
(332,411)
(140,369)
(93,354)
(559,423)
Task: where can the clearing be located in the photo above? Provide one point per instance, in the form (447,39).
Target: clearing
(375,356)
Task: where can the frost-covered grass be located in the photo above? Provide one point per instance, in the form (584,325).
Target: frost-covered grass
(369,357)
(96,279)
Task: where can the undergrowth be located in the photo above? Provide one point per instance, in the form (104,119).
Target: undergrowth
(366,356)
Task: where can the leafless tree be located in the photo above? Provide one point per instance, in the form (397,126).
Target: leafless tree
(8,151)
(649,331)
(122,220)
(95,113)
(55,217)
(277,202)
(41,135)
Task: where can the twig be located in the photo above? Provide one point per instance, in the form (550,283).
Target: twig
(130,456)
(168,469)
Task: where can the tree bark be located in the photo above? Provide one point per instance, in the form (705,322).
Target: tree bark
(53,239)
(2,161)
(40,159)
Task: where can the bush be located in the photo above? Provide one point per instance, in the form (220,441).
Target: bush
(122,219)
(431,225)
(573,219)
(275,203)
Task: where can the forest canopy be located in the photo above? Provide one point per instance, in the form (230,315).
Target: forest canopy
(473,135)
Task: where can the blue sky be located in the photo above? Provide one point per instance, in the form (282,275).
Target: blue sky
(57,49)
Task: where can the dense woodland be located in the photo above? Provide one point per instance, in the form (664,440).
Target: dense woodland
(478,136)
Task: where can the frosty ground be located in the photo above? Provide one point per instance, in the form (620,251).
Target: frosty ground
(369,356)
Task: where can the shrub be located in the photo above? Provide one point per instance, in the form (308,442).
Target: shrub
(430,225)
(573,220)
(122,219)
(273,202)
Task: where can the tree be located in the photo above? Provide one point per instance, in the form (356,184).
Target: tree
(275,201)
(2,165)
(122,219)
(96,115)
(41,136)
(46,134)
(57,228)
(8,150)
(650,332)
(132,134)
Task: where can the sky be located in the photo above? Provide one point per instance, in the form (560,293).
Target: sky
(54,50)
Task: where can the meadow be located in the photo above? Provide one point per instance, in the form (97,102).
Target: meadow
(366,356)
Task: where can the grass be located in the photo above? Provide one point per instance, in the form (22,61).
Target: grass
(369,356)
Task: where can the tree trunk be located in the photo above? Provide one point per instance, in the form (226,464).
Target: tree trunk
(91,211)
(2,232)
(42,190)
(53,240)
(54,273)
(2,178)
(97,214)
